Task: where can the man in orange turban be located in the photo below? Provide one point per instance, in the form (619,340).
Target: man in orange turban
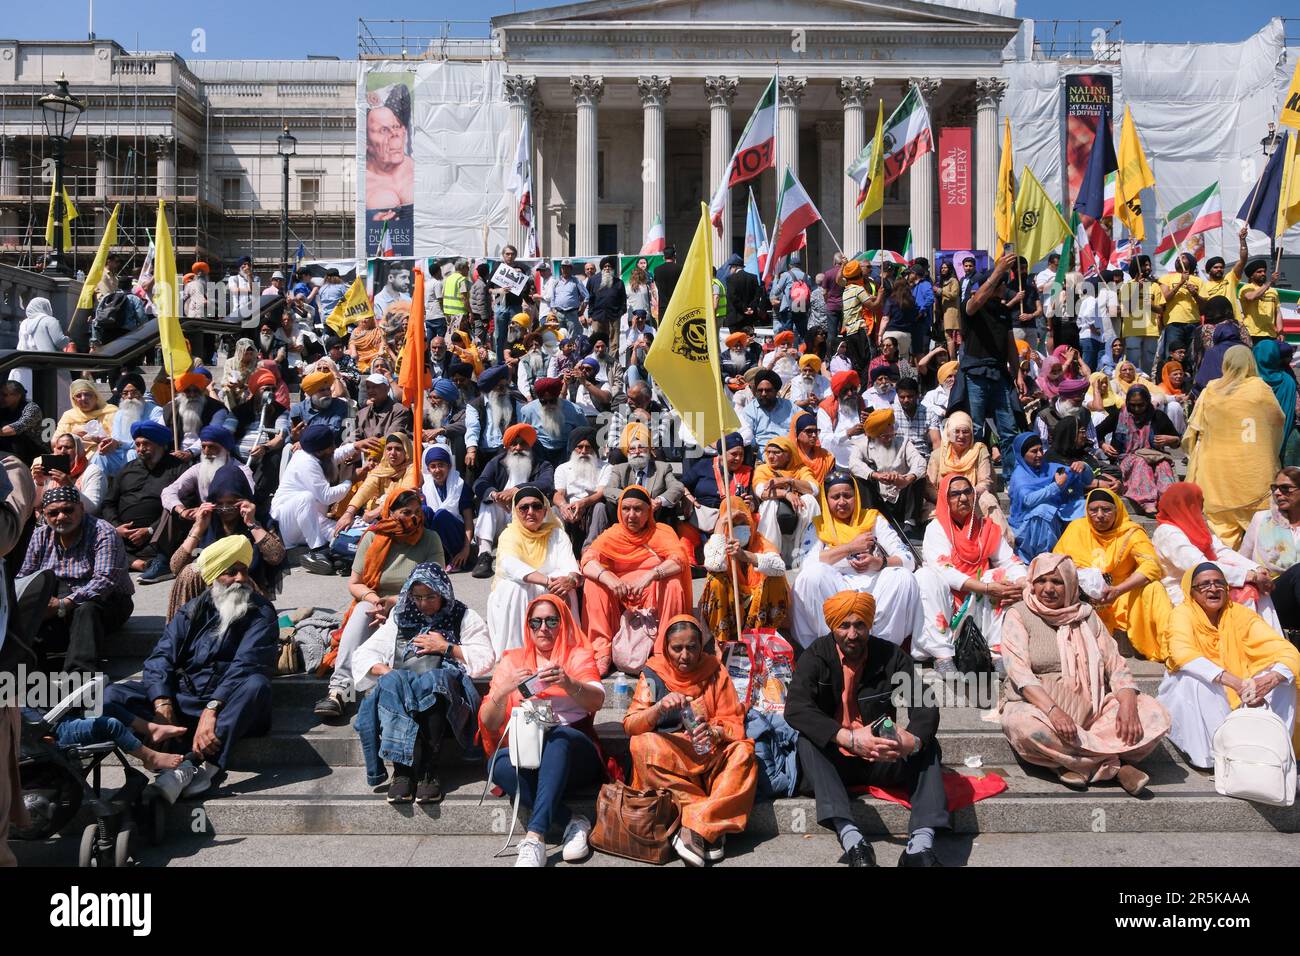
(194,409)
(515,466)
(843,692)
(839,416)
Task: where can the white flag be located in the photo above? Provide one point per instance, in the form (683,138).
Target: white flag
(520,180)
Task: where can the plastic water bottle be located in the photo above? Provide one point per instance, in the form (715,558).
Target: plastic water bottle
(622,692)
(690,721)
(889,730)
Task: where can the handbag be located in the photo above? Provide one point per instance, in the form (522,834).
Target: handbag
(634,640)
(1253,759)
(971,652)
(289,660)
(525,729)
(636,824)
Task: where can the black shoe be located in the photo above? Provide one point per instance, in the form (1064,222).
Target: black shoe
(159,570)
(483,566)
(926,857)
(429,791)
(329,707)
(860,855)
(317,562)
(400,790)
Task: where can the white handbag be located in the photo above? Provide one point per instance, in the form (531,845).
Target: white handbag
(1253,759)
(525,734)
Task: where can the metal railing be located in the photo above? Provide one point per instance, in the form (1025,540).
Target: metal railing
(424,39)
(1098,40)
(83,186)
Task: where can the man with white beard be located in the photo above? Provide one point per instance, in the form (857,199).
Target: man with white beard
(606,297)
(191,409)
(183,497)
(488,416)
(553,417)
(134,404)
(810,386)
(133,501)
(210,670)
(533,363)
(517,464)
(839,417)
(444,417)
(578,486)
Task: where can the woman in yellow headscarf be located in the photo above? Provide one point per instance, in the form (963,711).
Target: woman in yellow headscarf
(758,568)
(1232,440)
(855,549)
(463,347)
(1101,398)
(1222,655)
(87,407)
(1119,571)
(787,498)
(960,454)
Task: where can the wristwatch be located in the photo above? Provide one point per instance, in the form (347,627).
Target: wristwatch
(214,705)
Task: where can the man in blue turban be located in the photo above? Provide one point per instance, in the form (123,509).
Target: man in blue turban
(133,502)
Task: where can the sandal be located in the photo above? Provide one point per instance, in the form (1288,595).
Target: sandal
(1132,779)
(330,706)
(1072,779)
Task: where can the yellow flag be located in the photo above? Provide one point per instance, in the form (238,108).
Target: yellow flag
(1132,176)
(1004,199)
(87,298)
(166,299)
(875,197)
(1040,227)
(69,214)
(1288,200)
(352,308)
(684,357)
(1291,102)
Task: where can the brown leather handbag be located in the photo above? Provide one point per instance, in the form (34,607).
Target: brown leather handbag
(636,824)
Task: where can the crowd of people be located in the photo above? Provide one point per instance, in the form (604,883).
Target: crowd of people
(918,459)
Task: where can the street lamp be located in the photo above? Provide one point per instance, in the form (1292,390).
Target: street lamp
(60,110)
(1269,142)
(287,144)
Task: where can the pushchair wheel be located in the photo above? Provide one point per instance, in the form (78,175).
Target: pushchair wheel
(118,854)
(86,856)
(122,846)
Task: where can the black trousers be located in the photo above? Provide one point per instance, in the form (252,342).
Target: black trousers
(84,630)
(859,349)
(1286,597)
(907,507)
(829,774)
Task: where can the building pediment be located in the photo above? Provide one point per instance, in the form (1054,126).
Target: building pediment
(650,13)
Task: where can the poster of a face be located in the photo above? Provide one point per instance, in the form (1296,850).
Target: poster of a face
(393,282)
(390,165)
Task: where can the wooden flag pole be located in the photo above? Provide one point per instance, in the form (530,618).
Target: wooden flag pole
(725,495)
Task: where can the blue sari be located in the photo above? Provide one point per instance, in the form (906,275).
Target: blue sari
(1040,507)
(1274,370)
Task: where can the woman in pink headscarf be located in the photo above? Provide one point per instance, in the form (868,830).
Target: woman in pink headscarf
(281,389)
(1069,702)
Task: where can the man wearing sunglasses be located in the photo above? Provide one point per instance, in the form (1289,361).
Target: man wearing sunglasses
(92,593)
(518,464)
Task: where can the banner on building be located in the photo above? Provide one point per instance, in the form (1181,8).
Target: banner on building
(954,187)
(1087,97)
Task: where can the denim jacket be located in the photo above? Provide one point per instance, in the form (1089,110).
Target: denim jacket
(385,721)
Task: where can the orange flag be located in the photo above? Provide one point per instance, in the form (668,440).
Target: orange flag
(414,376)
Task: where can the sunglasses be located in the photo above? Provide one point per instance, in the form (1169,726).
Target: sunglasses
(59,512)
(1210,586)
(537,623)
(531,506)
(1285,489)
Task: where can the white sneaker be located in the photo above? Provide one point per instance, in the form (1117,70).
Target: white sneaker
(531,853)
(202,780)
(717,851)
(170,783)
(575,842)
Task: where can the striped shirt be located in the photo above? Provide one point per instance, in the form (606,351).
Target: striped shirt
(913,429)
(94,567)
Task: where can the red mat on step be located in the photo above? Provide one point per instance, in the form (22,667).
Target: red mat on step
(961,790)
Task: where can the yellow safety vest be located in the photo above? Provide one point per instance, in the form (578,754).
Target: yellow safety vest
(720,310)
(453,291)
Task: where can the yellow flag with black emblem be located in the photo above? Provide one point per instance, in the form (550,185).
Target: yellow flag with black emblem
(684,357)
(352,308)
(1040,227)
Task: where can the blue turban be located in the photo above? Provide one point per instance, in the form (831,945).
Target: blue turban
(446,389)
(489,378)
(733,440)
(229,480)
(153,431)
(316,437)
(221,436)
(437,453)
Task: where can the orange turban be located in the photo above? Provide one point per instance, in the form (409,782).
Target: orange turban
(200,267)
(634,430)
(261,379)
(839,606)
(948,368)
(847,379)
(878,421)
(851,269)
(736,340)
(784,338)
(527,432)
(191,380)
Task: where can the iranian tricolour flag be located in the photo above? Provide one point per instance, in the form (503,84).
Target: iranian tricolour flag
(795,212)
(655,240)
(1200,214)
(907,136)
(754,153)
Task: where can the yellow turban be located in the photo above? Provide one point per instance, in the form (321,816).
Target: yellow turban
(839,606)
(81,385)
(316,381)
(522,319)
(946,369)
(216,559)
(878,421)
(812,362)
(634,430)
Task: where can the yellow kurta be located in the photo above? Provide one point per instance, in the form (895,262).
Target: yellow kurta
(1143,613)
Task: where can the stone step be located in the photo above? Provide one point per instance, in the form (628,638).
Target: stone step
(321,801)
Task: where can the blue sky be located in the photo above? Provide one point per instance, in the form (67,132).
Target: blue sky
(256,29)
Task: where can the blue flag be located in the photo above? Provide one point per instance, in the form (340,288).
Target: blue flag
(1090,204)
(1260,208)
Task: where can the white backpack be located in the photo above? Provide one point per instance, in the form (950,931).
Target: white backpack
(1253,759)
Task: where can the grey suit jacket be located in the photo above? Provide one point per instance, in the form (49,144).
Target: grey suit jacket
(662,483)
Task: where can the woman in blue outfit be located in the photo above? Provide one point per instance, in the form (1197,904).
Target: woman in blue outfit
(449,505)
(1044,496)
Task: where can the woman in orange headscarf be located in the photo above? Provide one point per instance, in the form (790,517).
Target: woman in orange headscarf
(557,664)
(366,342)
(715,789)
(804,432)
(638,573)
(394,546)
(787,497)
(764,594)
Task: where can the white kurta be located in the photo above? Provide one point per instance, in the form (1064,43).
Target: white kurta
(381,646)
(511,595)
(897,596)
(303,498)
(1178,555)
(1197,706)
(835,436)
(939,581)
(792,546)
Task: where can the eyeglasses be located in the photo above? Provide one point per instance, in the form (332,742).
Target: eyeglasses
(1209,586)
(531,506)
(537,623)
(1285,489)
(811,430)
(960,492)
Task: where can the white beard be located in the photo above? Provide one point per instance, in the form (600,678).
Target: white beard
(535,361)
(500,408)
(606,279)
(583,470)
(231,601)
(208,468)
(437,414)
(518,468)
(192,414)
(129,411)
(850,409)
(552,420)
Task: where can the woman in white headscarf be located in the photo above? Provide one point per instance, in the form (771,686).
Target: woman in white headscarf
(449,498)
(40,331)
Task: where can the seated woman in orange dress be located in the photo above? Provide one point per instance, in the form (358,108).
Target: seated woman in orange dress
(637,565)
(714,788)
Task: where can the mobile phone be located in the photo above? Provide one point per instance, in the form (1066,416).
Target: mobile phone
(531,686)
(56,463)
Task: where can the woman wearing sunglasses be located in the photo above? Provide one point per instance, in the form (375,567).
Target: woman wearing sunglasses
(554,664)
(1273,541)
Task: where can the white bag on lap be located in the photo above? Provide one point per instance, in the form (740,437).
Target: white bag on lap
(1253,759)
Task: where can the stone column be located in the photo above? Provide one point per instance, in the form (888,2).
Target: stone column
(541,192)
(853,92)
(988,93)
(921,189)
(519,94)
(654,92)
(103,181)
(720,92)
(587,91)
(9,185)
(790,91)
(829,173)
(164,150)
